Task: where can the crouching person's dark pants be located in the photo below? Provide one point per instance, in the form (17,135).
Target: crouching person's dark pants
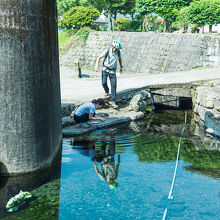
(82,118)
(113,81)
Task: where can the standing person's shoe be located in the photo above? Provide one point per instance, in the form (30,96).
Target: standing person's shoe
(107,95)
(113,104)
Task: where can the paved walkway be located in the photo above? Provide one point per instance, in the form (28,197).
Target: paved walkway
(74,90)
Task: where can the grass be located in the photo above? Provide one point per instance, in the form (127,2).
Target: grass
(65,38)
(69,37)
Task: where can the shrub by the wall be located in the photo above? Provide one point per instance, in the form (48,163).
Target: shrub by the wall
(125,24)
(78,17)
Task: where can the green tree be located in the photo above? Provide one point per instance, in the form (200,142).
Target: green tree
(182,19)
(78,17)
(152,22)
(164,8)
(204,12)
(127,9)
(111,7)
(65,5)
(122,24)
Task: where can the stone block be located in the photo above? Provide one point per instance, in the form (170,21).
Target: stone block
(217,106)
(209,104)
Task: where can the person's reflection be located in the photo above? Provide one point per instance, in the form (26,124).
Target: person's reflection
(85,147)
(108,170)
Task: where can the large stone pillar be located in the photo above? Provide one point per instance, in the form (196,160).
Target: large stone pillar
(30,114)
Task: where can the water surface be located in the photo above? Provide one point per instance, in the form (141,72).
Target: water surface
(147,162)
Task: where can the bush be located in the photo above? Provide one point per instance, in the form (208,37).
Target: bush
(83,33)
(67,38)
(95,27)
(152,23)
(125,24)
(122,24)
(78,17)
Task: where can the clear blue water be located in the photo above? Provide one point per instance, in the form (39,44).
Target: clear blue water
(147,163)
(147,160)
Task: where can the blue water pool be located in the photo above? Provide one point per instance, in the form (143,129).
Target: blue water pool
(142,179)
(125,173)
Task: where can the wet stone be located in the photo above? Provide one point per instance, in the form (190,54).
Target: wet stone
(77,129)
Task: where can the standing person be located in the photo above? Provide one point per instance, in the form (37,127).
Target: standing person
(86,111)
(111,57)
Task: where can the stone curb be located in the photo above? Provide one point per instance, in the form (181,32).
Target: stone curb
(76,130)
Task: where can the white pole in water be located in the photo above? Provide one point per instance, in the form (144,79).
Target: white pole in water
(174,175)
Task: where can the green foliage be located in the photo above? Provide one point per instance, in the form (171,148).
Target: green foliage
(65,38)
(125,24)
(182,19)
(152,23)
(69,37)
(194,92)
(83,33)
(127,8)
(45,204)
(122,24)
(199,159)
(164,8)
(159,149)
(204,12)
(156,149)
(95,27)
(112,7)
(65,5)
(78,17)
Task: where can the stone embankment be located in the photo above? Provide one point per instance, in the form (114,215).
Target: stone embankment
(206,106)
(132,107)
(150,52)
(134,104)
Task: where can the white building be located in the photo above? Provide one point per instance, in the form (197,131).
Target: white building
(215,29)
(104,22)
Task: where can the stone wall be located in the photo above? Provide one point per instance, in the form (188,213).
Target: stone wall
(150,52)
(206,106)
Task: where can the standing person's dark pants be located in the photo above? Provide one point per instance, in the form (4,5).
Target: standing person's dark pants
(113,81)
(111,150)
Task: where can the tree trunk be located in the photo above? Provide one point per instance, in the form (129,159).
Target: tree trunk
(143,26)
(202,30)
(165,26)
(110,20)
(189,28)
(115,17)
(210,28)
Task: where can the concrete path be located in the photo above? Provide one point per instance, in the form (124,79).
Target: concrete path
(74,90)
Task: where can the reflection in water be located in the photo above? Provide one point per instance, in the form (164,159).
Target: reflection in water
(44,187)
(145,175)
(198,148)
(104,156)
(109,171)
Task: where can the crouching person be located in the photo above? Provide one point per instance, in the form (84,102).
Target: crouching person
(86,112)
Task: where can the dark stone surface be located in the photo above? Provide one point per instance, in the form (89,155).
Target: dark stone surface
(67,108)
(67,121)
(30,112)
(77,130)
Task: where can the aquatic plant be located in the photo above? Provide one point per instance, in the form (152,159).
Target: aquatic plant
(15,202)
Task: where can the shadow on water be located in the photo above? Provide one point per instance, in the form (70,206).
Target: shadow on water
(44,187)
